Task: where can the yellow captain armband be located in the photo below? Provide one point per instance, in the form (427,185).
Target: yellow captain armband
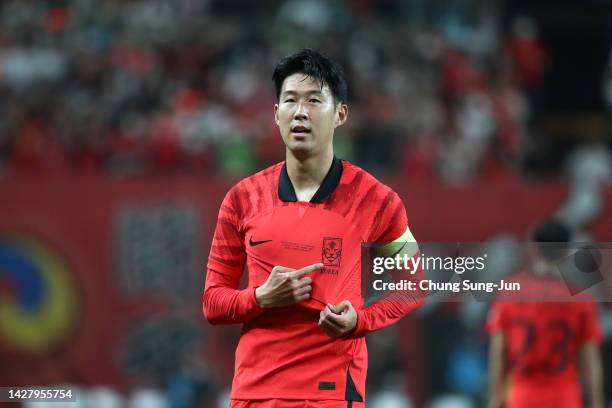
(403,245)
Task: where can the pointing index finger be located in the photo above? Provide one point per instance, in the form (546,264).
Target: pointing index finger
(306,270)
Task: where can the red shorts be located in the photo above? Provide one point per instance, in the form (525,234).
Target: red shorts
(280,403)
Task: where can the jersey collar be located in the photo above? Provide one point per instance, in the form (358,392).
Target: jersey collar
(286,192)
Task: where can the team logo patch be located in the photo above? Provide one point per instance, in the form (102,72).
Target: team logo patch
(332,251)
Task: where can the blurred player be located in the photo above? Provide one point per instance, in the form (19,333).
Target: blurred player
(298,227)
(541,351)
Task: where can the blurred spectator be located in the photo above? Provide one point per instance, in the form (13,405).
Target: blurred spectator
(527,51)
(589,168)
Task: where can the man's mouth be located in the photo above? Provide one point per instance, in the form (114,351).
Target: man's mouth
(300,130)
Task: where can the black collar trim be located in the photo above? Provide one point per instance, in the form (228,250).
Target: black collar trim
(286,192)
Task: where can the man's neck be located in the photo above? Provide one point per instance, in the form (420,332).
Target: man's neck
(307,174)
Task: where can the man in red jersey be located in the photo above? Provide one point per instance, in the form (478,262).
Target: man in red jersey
(540,351)
(298,226)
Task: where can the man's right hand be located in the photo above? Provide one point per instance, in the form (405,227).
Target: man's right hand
(286,286)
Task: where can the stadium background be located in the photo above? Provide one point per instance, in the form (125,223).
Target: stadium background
(124,122)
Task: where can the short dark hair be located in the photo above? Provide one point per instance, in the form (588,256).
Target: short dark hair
(315,65)
(552,236)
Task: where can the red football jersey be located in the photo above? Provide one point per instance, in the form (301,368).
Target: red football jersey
(282,352)
(542,344)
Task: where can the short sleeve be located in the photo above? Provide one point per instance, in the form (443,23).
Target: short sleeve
(227,252)
(497,318)
(590,329)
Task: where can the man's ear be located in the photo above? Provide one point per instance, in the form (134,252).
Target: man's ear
(276,114)
(341,114)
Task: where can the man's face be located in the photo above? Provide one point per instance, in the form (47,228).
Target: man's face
(307,115)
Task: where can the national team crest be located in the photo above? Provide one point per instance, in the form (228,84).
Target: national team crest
(332,251)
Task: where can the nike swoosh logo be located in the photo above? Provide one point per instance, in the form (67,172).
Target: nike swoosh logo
(255,243)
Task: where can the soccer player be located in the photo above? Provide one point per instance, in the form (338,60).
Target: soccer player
(539,351)
(297,226)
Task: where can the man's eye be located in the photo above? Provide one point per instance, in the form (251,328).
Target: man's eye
(289,100)
(313,100)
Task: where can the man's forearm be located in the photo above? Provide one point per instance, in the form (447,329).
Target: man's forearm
(384,313)
(591,371)
(496,391)
(224,304)
(496,370)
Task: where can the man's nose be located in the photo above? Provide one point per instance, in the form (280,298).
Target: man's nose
(301,112)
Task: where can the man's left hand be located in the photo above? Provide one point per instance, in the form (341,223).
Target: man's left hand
(338,320)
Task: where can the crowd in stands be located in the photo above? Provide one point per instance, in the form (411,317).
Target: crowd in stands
(146,87)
